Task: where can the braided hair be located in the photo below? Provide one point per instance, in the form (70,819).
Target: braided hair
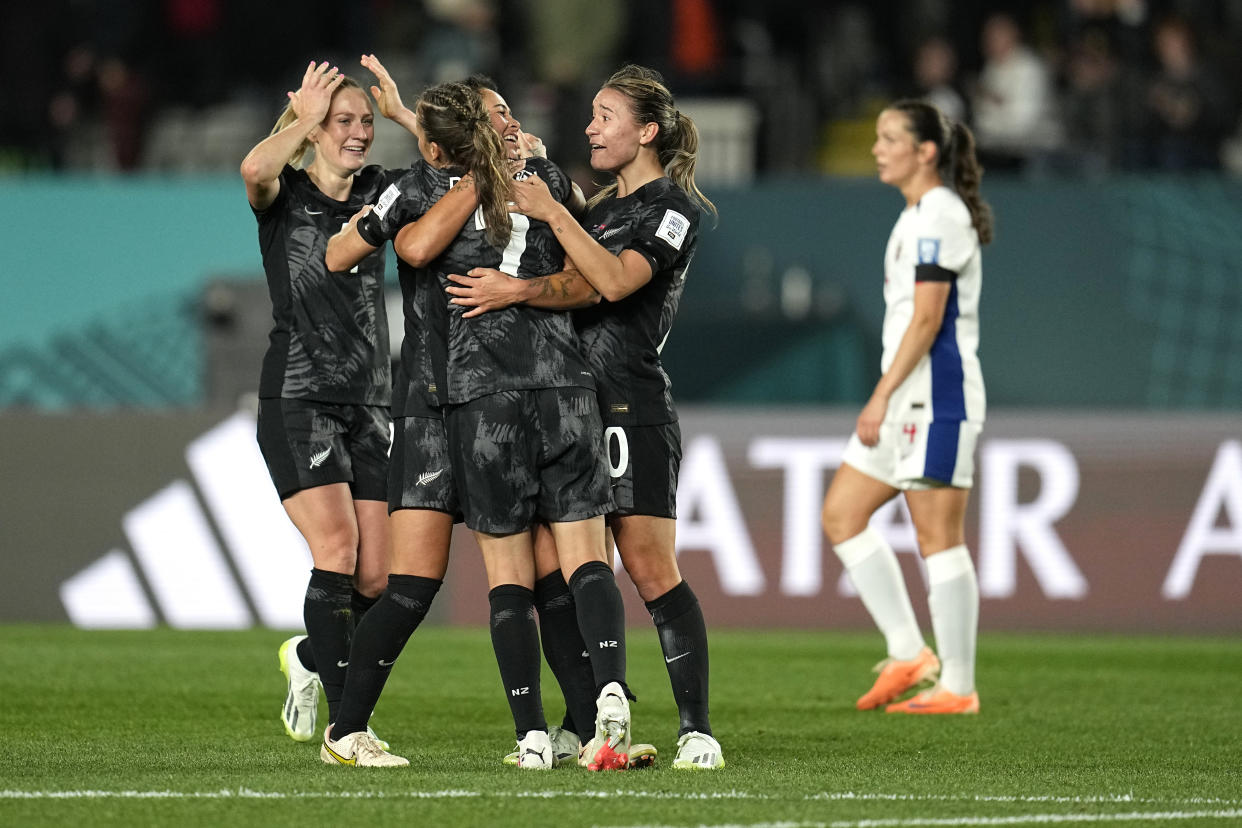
(453,116)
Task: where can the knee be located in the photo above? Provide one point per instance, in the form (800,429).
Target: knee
(838,523)
(336,550)
(371,584)
(653,572)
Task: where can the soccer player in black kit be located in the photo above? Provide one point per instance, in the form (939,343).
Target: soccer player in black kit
(630,255)
(520,414)
(325,386)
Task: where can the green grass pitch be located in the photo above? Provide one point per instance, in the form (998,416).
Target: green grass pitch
(181,728)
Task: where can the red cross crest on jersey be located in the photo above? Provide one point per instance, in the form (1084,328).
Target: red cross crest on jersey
(910,429)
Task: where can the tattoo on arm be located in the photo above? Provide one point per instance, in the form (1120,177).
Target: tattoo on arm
(559,286)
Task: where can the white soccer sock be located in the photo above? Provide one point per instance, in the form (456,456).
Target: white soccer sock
(873,568)
(953,597)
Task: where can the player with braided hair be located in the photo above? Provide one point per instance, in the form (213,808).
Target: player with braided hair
(629,260)
(519,410)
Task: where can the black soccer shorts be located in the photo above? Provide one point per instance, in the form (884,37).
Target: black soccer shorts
(420,475)
(523,456)
(307,444)
(643,462)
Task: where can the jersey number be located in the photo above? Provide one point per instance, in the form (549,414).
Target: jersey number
(511,258)
(615,435)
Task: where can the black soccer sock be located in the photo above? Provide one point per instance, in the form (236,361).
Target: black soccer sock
(515,639)
(378,641)
(329,624)
(601,617)
(360,603)
(306,654)
(683,638)
(566,652)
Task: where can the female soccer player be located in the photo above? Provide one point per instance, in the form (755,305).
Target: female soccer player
(521,417)
(633,250)
(917,433)
(325,387)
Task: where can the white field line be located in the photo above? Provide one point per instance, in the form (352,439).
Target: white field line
(954,822)
(1224,806)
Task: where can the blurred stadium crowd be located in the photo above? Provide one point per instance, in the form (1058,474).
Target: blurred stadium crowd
(1072,87)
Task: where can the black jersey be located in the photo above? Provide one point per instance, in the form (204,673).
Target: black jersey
(329,341)
(622,339)
(512,349)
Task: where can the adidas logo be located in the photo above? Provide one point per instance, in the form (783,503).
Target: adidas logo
(215,553)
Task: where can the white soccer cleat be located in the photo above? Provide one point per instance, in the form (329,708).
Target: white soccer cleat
(359,750)
(535,751)
(610,749)
(565,747)
(698,751)
(302,700)
(377,739)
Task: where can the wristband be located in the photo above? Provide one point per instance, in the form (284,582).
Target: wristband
(370,229)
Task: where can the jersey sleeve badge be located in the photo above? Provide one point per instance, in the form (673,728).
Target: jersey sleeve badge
(386,200)
(673,228)
(929,251)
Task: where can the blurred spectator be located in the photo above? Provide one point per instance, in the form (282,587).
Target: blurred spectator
(935,78)
(1185,103)
(575,47)
(126,98)
(850,71)
(110,76)
(1014,104)
(460,40)
(1091,106)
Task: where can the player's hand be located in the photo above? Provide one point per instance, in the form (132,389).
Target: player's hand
(483,289)
(531,197)
(869,421)
(356,217)
(313,99)
(387,96)
(530,146)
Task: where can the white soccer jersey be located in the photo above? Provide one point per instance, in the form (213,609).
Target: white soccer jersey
(937,238)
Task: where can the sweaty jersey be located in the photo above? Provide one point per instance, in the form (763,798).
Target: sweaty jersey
(622,340)
(329,340)
(935,241)
(515,348)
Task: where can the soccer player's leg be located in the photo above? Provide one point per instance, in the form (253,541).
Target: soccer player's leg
(644,526)
(859,487)
(494,451)
(939,514)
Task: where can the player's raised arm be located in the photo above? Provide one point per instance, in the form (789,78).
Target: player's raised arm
(308,106)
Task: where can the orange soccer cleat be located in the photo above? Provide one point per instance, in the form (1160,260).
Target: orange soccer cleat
(937,700)
(896,677)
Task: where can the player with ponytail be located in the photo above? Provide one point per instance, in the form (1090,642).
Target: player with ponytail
(917,433)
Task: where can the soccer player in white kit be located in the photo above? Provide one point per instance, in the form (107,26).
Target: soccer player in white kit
(917,433)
